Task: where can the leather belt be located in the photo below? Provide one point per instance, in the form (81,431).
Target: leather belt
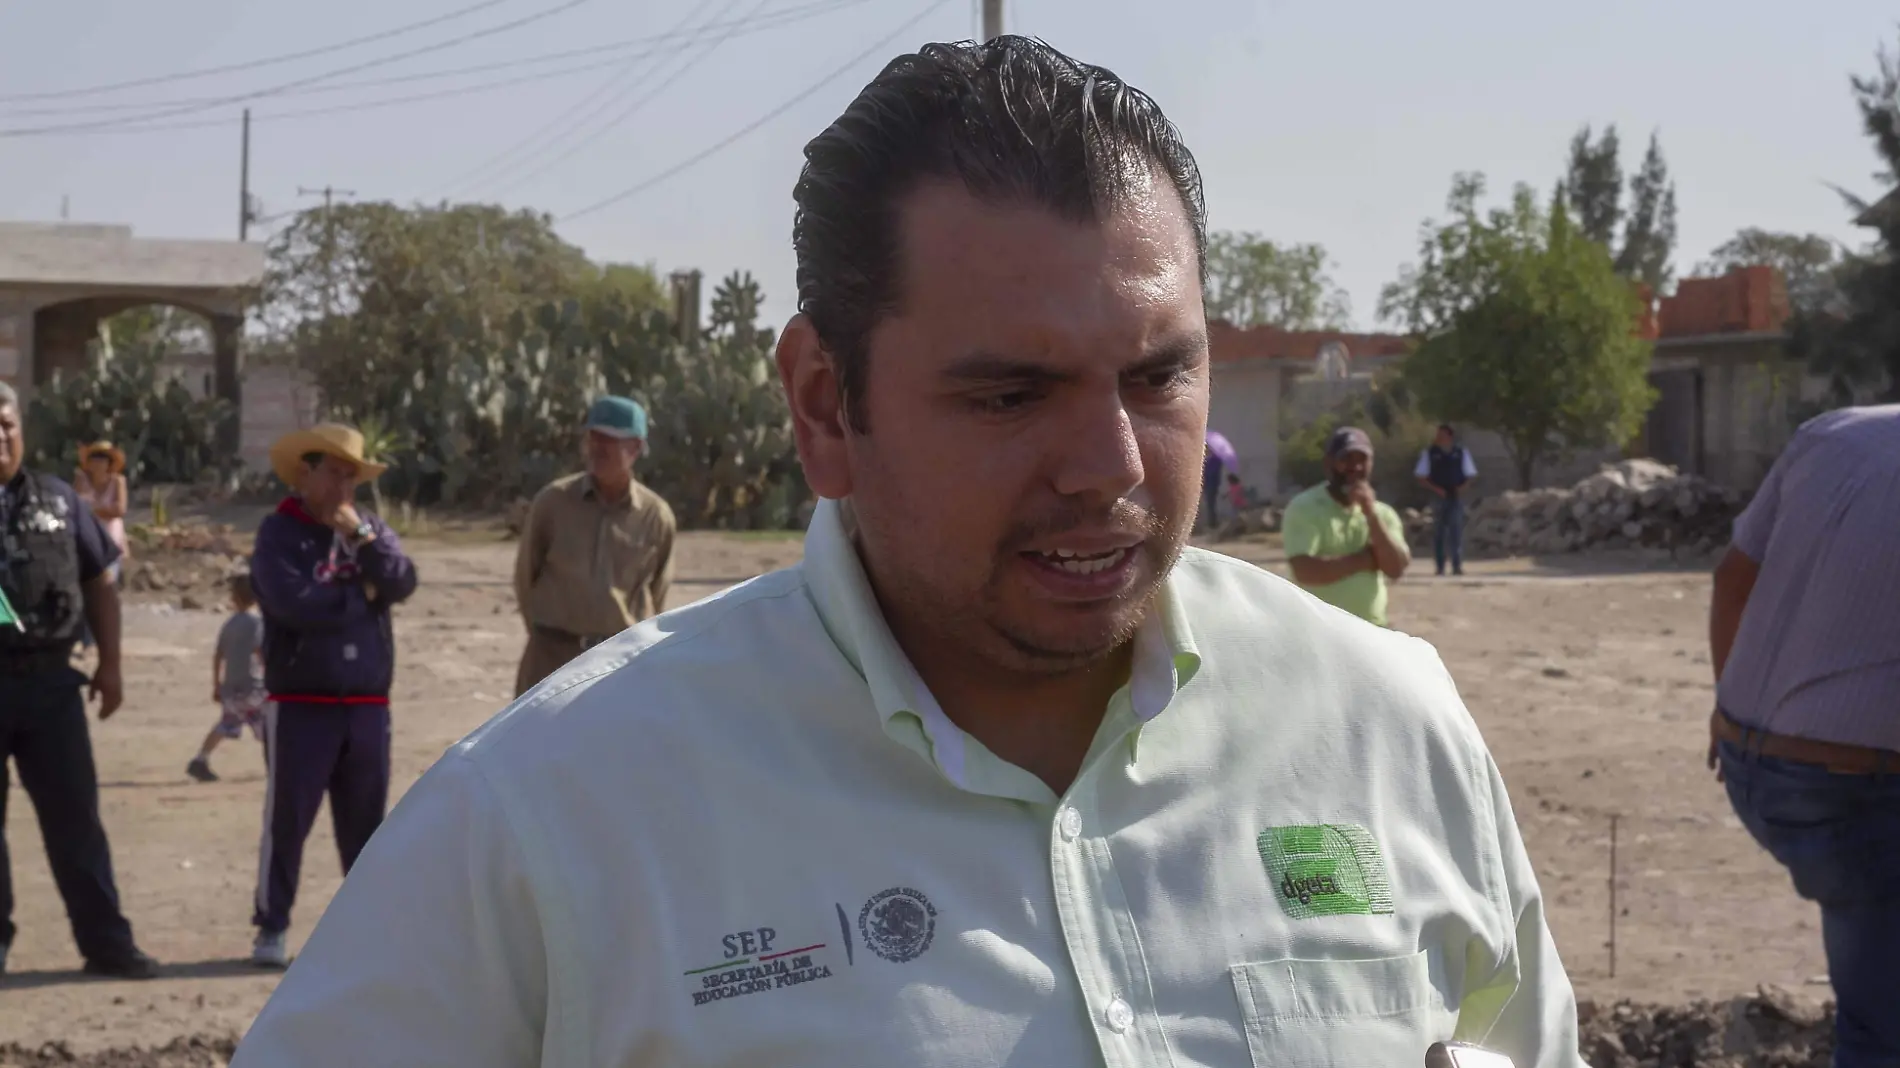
(1833,756)
(566,637)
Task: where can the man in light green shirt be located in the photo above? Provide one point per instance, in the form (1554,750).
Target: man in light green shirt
(1001,773)
(1342,543)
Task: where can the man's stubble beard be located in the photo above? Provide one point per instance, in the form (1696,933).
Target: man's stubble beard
(979,624)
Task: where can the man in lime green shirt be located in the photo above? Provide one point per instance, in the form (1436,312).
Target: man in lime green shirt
(1336,551)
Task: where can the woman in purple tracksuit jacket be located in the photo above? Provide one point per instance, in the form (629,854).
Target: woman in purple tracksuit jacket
(325,578)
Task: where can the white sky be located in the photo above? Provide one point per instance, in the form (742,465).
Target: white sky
(1335,123)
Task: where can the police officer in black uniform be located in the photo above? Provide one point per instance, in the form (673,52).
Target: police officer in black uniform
(53,559)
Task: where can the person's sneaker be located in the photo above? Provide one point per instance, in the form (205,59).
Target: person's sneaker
(134,965)
(270,950)
(200,769)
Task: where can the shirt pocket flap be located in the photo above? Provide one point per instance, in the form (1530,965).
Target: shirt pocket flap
(1284,989)
(1381,1013)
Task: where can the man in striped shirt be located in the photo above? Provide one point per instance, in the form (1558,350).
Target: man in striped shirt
(1804,633)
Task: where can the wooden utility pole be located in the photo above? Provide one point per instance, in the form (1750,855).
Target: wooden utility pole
(244,181)
(992,19)
(329,193)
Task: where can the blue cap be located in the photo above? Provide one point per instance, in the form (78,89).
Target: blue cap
(618,417)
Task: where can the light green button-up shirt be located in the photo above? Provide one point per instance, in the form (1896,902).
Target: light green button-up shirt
(743,833)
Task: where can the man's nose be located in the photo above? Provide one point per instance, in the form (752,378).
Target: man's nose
(1096,452)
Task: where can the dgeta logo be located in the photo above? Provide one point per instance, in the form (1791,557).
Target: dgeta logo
(1303,890)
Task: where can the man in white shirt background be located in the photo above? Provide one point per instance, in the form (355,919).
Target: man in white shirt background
(1002,773)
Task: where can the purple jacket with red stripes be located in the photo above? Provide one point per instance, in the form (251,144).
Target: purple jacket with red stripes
(325,637)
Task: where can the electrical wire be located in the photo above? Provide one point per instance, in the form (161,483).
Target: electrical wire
(288,57)
(768,20)
(720,145)
(78,127)
(508,159)
(626,113)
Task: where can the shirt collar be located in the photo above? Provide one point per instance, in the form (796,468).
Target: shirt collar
(1165,655)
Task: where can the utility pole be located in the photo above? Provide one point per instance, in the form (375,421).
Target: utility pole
(329,193)
(244,181)
(992,19)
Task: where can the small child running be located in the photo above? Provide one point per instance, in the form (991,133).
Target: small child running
(237,677)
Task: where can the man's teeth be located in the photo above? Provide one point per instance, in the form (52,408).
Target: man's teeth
(1076,564)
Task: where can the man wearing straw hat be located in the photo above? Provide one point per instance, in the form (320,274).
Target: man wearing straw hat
(325,577)
(53,580)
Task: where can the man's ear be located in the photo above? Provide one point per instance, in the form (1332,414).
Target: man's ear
(806,371)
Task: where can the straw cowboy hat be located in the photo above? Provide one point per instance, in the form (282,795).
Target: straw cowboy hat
(331,439)
(111,451)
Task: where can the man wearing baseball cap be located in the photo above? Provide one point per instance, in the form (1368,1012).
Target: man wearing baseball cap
(1342,542)
(596,553)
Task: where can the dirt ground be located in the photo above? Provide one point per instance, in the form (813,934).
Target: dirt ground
(1590,679)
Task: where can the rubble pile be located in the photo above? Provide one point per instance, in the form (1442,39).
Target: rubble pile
(187,565)
(1632,504)
(1773,1029)
(196,1052)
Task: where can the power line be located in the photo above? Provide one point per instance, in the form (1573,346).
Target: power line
(288,57)
(614,123)
(743,131)
(511,157)
(135,125)
(384,61)
(768,20)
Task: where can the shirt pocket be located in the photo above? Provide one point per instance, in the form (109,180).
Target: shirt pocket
(1380,1013)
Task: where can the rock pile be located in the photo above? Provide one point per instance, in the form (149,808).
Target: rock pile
(1773,1029)
(1632,504)
(187,565)
(195,1052)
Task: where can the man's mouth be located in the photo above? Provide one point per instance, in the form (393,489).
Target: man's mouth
(1073,562)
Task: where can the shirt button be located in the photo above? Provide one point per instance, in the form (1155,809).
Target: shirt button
(1071,823)
(1120,1016)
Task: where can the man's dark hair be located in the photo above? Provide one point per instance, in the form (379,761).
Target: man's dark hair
(313,460)
(1012,120)
(1447,428)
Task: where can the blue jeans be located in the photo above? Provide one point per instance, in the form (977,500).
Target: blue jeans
(1839,837)
(1448,534)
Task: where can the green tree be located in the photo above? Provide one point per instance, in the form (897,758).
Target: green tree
(1592,189)
(1856,344)
(1649,231)
(1593,185)
(1524,328)
(1252,281)
(1808,263)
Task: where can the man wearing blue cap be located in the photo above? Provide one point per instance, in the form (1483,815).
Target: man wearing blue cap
(596,554)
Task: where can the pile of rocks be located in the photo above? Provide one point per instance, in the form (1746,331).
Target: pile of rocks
(1773,1029)
(187,565)
(195,1052)
(1632,504)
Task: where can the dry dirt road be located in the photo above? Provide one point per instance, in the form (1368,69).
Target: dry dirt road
(1593,689)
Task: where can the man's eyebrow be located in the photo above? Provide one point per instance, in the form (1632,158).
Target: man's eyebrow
(989,367)
(1175,352)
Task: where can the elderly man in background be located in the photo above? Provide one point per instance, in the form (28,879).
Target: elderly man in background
(1804,635)
(325,578)
(596,553)
(1342,543)
(55,564)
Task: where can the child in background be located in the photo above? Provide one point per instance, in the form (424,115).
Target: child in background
(1236,493)
(237,677)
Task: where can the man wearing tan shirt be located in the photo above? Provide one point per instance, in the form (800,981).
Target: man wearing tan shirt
(596,555)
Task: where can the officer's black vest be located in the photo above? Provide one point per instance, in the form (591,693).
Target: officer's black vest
(1448,468)
(39,568)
